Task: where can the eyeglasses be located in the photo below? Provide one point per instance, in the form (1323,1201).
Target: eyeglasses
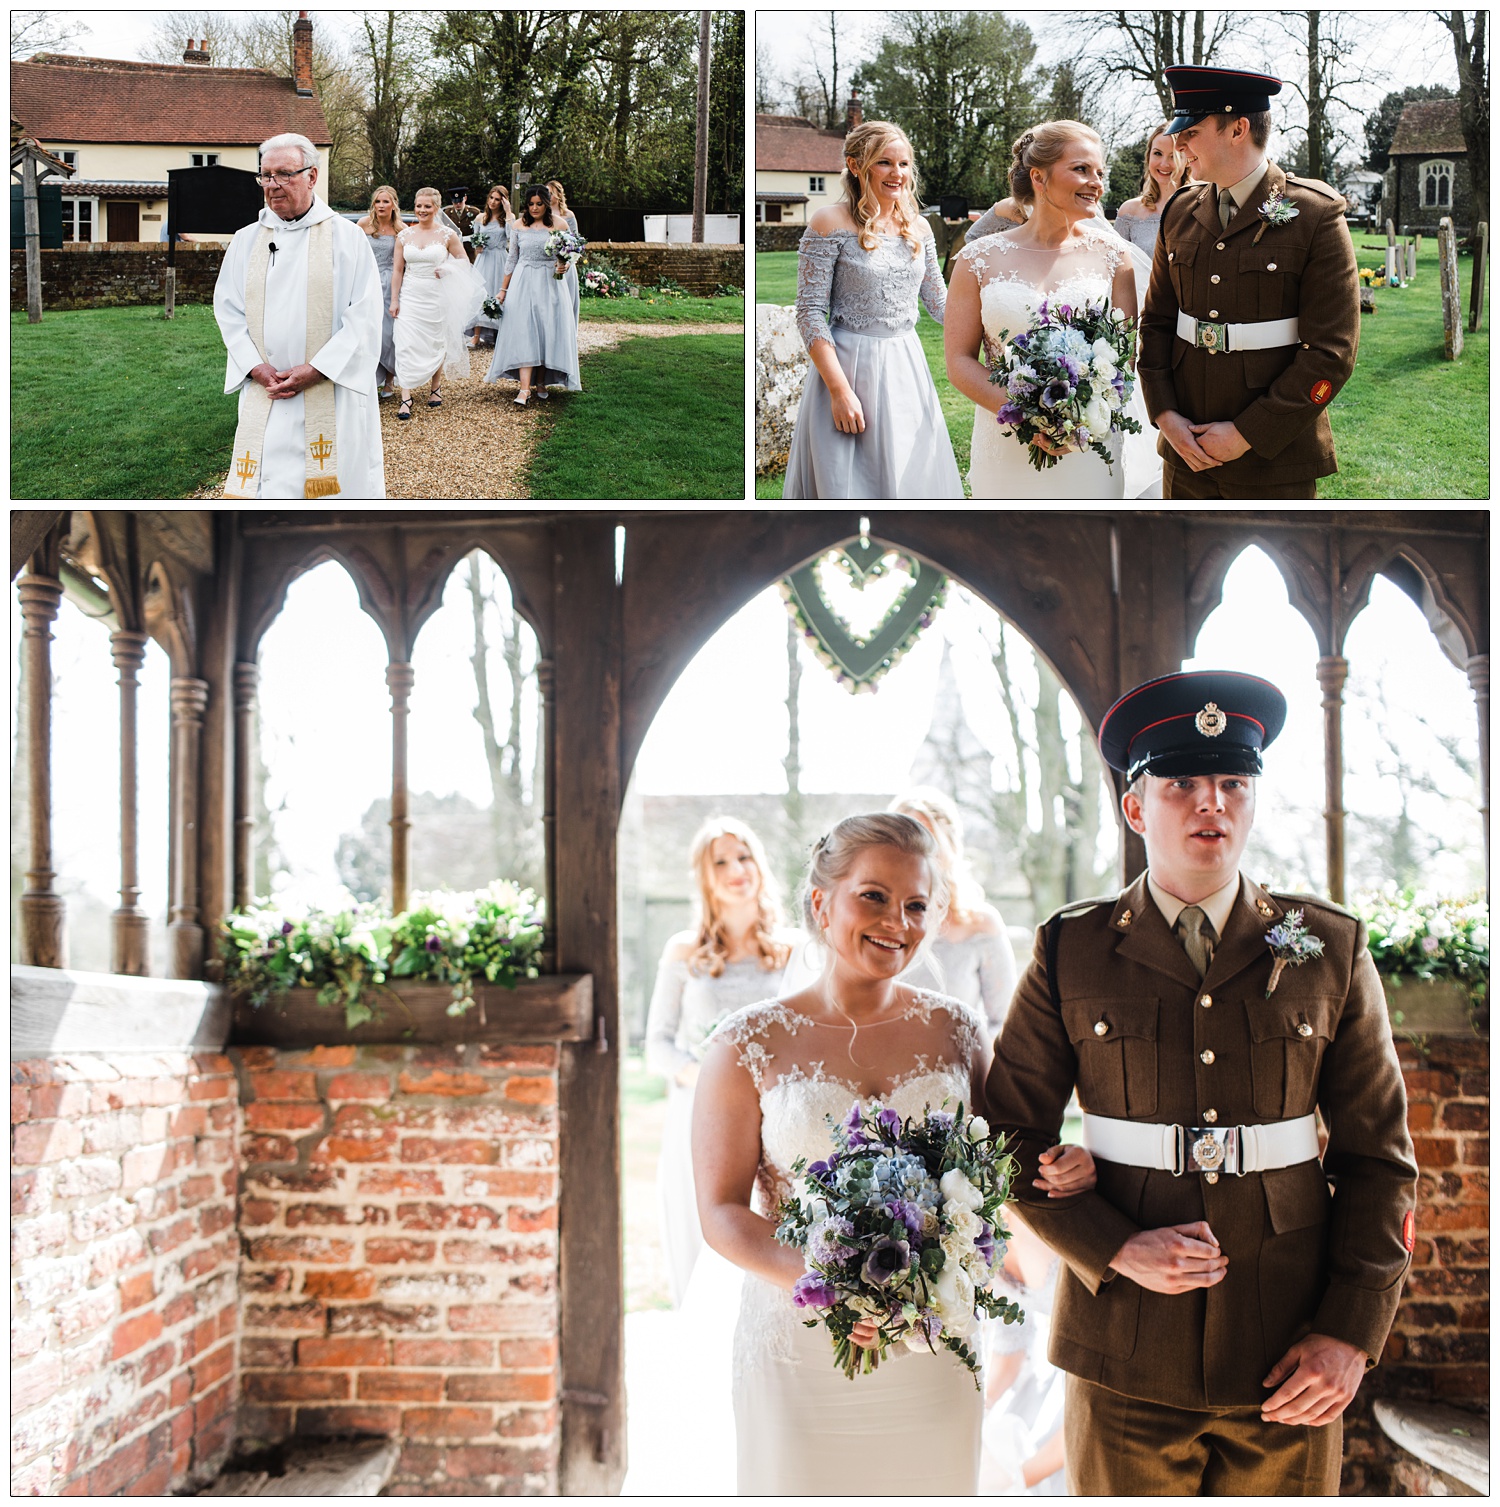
(282,179)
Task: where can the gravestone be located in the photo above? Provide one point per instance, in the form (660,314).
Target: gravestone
(1453,320)
(1367,300)
(1411,260)
(781,366)
(1481,268)
(1390,232)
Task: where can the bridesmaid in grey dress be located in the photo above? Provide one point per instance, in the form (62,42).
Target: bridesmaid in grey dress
(560,206)
(383,224)
(1140,218)
(492,226)
(870,424)
(733,956)
(537,344)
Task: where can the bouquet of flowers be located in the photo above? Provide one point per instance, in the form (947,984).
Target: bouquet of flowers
(901,1224)
(1067,378)
(1424,937)
(493,308)
(566,249)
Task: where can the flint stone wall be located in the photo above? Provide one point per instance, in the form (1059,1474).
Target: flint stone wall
(781,368)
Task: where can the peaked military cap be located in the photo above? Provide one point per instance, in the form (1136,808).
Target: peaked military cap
(1200,92)
(1196,722)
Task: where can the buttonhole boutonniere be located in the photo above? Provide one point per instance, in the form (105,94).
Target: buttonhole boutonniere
(1277,210)
(1290,942)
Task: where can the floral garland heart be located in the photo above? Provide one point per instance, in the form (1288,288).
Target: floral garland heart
(858,662)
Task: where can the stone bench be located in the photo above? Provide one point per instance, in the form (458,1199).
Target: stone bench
(354,1468)
(1454,1445)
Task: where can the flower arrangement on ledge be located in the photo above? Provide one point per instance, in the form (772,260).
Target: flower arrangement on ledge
(1414,936)
(353,956)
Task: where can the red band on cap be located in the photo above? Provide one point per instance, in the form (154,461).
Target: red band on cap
(1409,1230)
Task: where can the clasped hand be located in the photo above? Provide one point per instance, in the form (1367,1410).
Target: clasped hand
(1202,446)
(288,383)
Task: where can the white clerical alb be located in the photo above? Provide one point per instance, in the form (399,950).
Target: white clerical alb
(289,463)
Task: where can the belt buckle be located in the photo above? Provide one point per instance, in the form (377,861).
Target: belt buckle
(1212,1148)
(1210,337)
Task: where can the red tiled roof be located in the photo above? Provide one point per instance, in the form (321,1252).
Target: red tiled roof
(790,144)
(60,98)
(95,188)
(1428,126)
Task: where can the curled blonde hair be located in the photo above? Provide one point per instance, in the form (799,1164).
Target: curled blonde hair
(933,809)
(559,198)
(384,188)
(1150,186)
(1041,147)
(833,856)
(863,145)
(435,194)
(711,944)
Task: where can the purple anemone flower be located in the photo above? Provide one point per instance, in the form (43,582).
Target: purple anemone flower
(909,1215)
(286,928)
(985,1245)
(1009,413)
(1055,394)
(889,1120)
(818,1169)
(433,945)
(887,1262)
(853,1119)
(813,1290)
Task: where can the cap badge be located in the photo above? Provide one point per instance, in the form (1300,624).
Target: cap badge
(1211,721)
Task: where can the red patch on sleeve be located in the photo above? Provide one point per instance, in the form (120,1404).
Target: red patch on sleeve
(1409,1230)
(1321,391)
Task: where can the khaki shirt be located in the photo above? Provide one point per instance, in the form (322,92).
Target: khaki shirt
(1301,1258)
(1254,271)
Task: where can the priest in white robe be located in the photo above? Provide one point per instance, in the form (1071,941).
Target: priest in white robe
(300,307)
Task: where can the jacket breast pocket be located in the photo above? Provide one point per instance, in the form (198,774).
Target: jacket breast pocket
(1287,1041)
(1115,1042)
(1270,277)
(1180,260)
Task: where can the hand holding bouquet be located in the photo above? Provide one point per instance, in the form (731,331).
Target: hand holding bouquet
(565,249)
(493,308)
(1068,378)
(901,1226)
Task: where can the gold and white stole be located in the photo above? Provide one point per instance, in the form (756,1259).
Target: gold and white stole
(319,413)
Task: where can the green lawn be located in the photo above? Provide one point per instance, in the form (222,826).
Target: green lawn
(117,403)
(659,417)
(685,310)
(1407,424)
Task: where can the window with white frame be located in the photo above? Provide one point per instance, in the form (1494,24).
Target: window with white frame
(815,185)
(1437,185)
(205,159)
(70,157)
(78,216)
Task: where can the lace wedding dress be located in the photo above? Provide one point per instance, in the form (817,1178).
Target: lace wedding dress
(802,1427)
(1013,281)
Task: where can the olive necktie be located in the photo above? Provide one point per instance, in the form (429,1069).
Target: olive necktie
(1226,208)
(1196,933)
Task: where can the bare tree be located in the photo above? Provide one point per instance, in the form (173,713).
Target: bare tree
(1334,78)
(1471,53)
(387,57)
(33,31)
(220,33)
(1142,44)
(768,88)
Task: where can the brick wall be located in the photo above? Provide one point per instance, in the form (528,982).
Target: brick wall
(399,1218)
(698,268)
(778,237)
(108,278)
(1439,1348)
(123,1272)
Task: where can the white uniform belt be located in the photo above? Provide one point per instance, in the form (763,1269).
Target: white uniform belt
(1235,1149)
(1263,335)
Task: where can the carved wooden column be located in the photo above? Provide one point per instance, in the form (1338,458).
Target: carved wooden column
(1479,678)
(246,683)
(546,680)
(43,911)
(1333,671)
(184,931)
(399,676)
(131,937)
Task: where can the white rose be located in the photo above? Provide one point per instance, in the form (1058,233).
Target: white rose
(1104,360)
(955,1301)
(979,1128)
(1481,937)
(957,1188)
(1096,417)
(1439,927)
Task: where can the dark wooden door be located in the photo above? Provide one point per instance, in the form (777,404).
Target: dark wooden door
(124,222)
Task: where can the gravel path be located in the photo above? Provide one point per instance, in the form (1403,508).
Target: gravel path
(479,445)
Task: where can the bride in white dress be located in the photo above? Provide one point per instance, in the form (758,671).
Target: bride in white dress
(1062,253)
(771,1076)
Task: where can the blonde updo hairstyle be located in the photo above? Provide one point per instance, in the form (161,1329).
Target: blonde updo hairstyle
(863,145)
(1150,185)
(939,814)
(431,193)
(710,950)
(834,856)
(1042,147)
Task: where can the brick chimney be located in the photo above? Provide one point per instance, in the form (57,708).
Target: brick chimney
(302,53)
(855,114)
(196,52)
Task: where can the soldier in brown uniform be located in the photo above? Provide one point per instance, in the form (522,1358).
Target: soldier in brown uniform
(1223,1290)
(1251,321)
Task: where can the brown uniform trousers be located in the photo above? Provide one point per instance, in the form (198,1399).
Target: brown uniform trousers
(1142,1038)
(1253,271)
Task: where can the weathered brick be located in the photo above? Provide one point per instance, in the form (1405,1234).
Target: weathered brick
(446,1423)
(30,1192)
(476,1318)
(530,1386)
(257,1351)
(88,1358)
(277,1115)
(136,1290)
(29,1335)
(180,1307)
(443,1352)
(213,1367)
(531,1090)
(469,1462)
(45,1141)
(364,1148)
(145,1164)
(1420,1117)
(1476,1152)
(441,1216)
(339,1284)
(505,1184)
(106,1257)
(38,1236)
(271,1279)
(214,1217)
(119,1470)
(132,1333)
(275,1248)
(1421,1081)
(516,1056)
(85,1314)
(54,1101)
(526,1423)
(431,1149)
(35,1383)
(528,1354)
(301,1214)
(344,1351)
(382,1318)
(400,1180)
(529,1151)
(470,1252)
(1459,1115)
(388,1252)
(282,1084)
(447,1084)
(97,1220)
(169,1237)
(528,1221)
(375,1087)
(153,1482)
(401,1386)
(213,1405)
(324,1057)
(355,1418)
(296,1386)
(286,1318)
(151,1405)
(1433,1152)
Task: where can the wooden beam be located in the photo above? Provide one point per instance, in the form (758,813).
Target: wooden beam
(184,927)
(559,1007)
(130,925)
(1333,671)
(43,911)
(399,677)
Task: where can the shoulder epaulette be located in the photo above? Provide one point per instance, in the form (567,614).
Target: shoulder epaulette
(1078,908)
(1177,193)
(1322,902)
(1317,185)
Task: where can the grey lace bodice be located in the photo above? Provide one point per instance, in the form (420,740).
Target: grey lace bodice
(494,235)
(529,244)
(989,223)
(839,282)
(1140,230)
